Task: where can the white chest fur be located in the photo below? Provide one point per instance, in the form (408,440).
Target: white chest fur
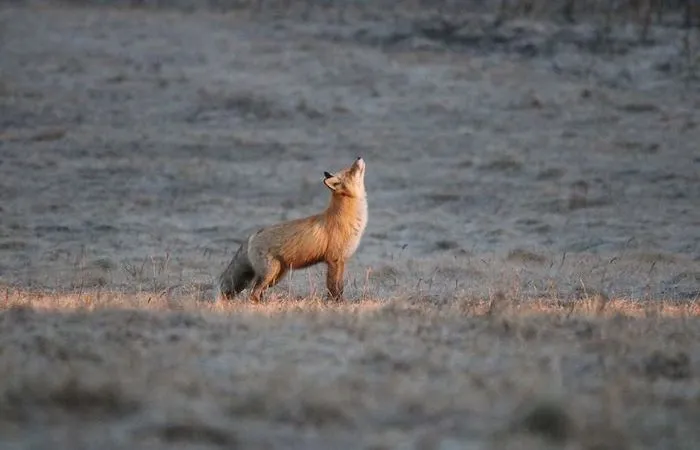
(358,228)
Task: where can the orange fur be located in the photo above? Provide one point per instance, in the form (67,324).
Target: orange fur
(330,237)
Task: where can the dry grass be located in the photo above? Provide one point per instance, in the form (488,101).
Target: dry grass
(123,371)
(529,277)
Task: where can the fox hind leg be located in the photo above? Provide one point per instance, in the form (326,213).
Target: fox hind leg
(271,275)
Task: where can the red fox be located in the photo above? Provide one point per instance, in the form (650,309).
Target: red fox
(331,237)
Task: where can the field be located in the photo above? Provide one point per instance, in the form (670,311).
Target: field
(529,277)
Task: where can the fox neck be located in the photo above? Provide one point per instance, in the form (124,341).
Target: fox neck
(347,211)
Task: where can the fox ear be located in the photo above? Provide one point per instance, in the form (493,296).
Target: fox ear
(327,175)
(332,183)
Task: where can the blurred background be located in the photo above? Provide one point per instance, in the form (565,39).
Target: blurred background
(543,147)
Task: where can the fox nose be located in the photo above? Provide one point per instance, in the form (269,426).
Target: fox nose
(359,158)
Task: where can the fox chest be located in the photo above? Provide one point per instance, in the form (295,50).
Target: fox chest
(351,234)
(353,242)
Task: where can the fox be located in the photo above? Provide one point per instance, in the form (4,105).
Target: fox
(331,237)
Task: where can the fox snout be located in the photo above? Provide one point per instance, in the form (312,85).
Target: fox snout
(358,164)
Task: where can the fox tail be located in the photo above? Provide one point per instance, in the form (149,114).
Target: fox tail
(237,276)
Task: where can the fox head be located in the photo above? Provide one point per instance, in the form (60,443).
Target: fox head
(349,182)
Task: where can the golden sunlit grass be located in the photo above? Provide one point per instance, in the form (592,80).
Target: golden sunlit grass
(594,305)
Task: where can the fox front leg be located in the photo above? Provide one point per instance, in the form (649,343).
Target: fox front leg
(334,279)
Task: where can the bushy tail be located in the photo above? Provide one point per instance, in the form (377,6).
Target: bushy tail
(237,276)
